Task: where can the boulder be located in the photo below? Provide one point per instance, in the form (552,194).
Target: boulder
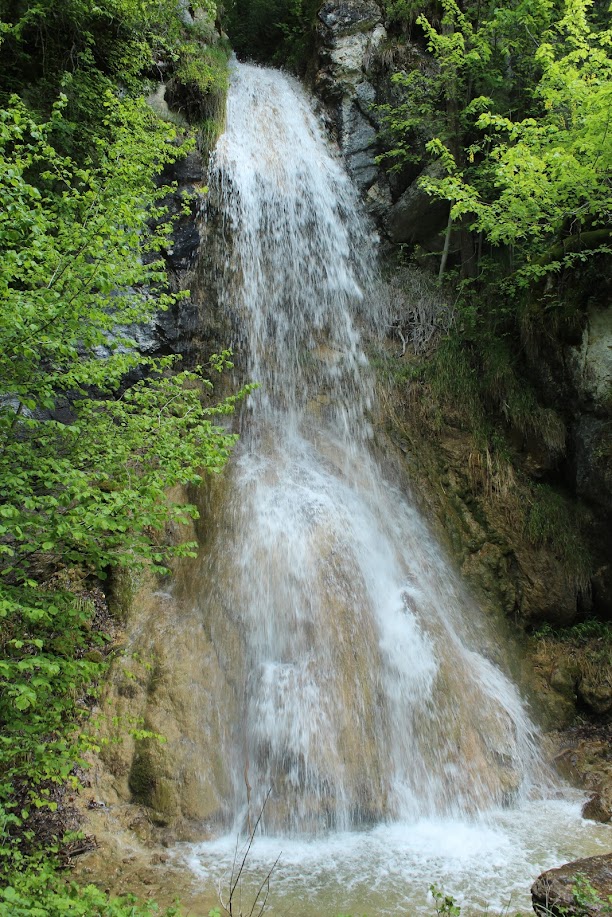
(416,216)
(595,691)
(597,808)
(582,888)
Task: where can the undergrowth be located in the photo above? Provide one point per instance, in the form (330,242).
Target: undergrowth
(577,661)
(582,633)
(471,377)
(42,892)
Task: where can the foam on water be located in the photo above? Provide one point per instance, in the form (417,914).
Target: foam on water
(487,863)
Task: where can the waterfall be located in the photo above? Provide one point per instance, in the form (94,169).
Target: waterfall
(365,686)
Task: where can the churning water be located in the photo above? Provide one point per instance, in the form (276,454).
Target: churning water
(369,705)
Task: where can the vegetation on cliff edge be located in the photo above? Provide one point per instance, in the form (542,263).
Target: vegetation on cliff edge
(507,119)
(92,433)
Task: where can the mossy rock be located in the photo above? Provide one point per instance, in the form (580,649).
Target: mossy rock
(143,778)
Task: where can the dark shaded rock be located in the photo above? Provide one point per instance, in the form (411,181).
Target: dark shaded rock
(590,362)
(579,889)
(185,245)
(416,216)
(328,88)
(593,453)
(190,169)
(346,17)
(595,692)
(601,586)
(597,809)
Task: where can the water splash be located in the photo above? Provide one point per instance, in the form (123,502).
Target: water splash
(364,685)
(486,863)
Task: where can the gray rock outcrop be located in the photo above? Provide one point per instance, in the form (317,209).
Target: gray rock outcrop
(350,32)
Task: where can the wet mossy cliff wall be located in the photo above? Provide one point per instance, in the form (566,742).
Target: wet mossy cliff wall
(510,454)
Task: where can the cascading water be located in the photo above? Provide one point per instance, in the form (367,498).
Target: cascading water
(364,698)
(366,692)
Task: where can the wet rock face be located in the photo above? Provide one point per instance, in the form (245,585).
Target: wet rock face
(579,889)
(356,63)
(358,137)
(597,808)
(192,327)
(588,367)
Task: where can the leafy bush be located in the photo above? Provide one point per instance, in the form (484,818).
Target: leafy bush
(85,461)
(42,893)
(88,50)
(273,31)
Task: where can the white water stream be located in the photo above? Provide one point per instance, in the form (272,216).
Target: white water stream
(395,750)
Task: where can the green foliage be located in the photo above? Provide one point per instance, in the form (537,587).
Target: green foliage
(413,121)
(546,176)
(206,69)
(515,113)
(82,47)
(92,434)
(41,892)
(579,634)
(85,461)
(273,31)
(445,905)
(199,87)
(404,13)
(86,49)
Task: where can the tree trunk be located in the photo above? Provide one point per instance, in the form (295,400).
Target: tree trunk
(445,250)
